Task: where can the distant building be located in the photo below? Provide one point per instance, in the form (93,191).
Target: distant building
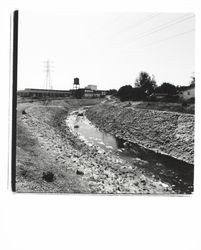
(159,96)
(77,93)
(88,93)
(187,93)
(99,93)
(34,93)
(163,97)
(92,87)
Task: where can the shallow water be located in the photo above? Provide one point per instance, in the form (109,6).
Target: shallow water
(167,169)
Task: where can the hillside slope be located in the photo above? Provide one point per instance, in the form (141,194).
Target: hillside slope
(164,132)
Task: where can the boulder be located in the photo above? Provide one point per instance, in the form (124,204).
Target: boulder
(79,172)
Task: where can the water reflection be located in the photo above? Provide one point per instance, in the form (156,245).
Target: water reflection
(161,167)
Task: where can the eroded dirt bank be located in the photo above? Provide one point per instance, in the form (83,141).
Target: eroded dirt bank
(164,132)
(52,159)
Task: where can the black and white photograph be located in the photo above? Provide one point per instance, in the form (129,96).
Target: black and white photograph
(104,101)
(100,125)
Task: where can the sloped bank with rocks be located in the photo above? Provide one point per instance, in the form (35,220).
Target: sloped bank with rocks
(164,132)
(50,158)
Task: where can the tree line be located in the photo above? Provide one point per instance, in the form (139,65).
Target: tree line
(145,88)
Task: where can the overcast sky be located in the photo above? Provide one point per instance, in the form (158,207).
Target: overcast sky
(106,49)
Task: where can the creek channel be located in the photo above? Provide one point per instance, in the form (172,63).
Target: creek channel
(161,167)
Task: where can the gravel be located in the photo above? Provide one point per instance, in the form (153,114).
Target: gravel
(164,132)
(76,166)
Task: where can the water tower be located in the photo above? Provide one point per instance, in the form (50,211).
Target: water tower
(76,83)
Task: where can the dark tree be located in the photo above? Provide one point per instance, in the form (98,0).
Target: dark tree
(112,92)
(146,83)
(125,93)
(138,94)
(192,82)
(167,88)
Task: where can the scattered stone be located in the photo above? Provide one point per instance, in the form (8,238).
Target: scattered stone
(48,176)
(143,182)
(159,164)
(79,172)
(24,112)
(166,132)
(101,170)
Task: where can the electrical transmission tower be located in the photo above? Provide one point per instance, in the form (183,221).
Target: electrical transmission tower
(48,67)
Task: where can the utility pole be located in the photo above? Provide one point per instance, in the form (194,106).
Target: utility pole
(48,69)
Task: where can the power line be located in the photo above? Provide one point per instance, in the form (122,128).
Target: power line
(140,22)
(137,24)
(164,24)
(102,27)
(168,38)
(143,21)
(163,28)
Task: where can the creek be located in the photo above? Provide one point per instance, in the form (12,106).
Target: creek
(161,167)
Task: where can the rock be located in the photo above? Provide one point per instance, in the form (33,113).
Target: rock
(159,164)
(48,176)
(24,112)
(155,130)
(95,176)
(143,182)
(79,172)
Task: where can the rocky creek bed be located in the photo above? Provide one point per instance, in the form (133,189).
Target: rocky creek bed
(50,158)
(167,169)
(164,132)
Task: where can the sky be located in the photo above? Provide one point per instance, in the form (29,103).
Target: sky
(108,49)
